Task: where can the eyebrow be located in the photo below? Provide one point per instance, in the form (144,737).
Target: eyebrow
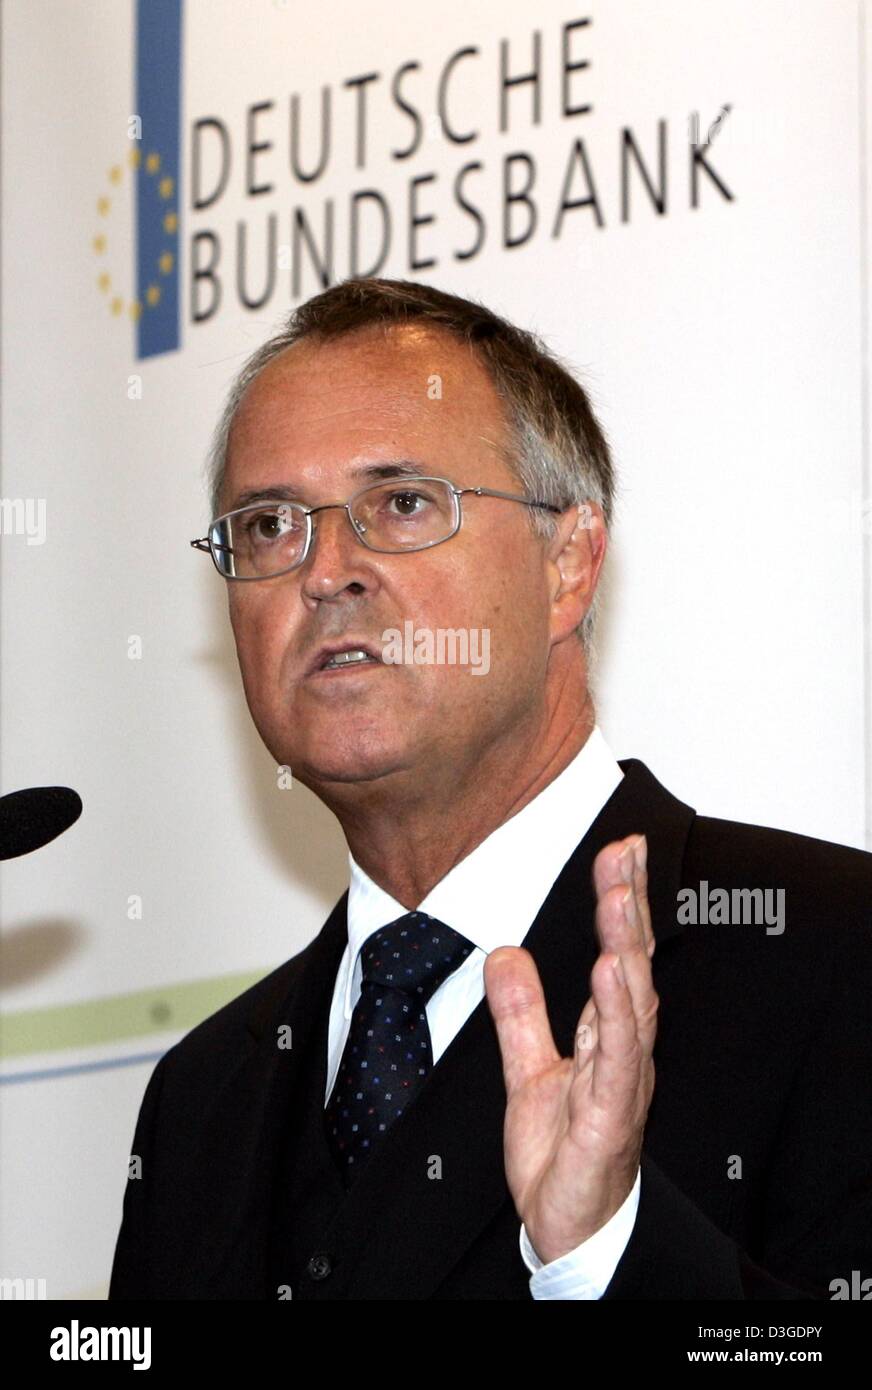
(370,472)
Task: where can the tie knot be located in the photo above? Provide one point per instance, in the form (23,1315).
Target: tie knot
(414,954)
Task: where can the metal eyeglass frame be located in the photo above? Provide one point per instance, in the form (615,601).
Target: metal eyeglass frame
(206,542)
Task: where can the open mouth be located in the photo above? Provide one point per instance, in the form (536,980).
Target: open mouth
(351,657)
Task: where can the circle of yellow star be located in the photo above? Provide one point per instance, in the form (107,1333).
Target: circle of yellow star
(166,261)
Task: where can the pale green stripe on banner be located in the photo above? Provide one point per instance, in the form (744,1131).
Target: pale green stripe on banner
(118,1017)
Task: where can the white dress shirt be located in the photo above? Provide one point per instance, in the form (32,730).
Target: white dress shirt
(492,897)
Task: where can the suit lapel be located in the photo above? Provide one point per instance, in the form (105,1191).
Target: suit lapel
(439,1178)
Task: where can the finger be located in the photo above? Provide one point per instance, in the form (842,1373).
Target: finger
(619,930)
(640,883)
(588,1013)
(637,970)
(607,867)
(586,1036)
(619,862)
(618,1061)
(517,1003)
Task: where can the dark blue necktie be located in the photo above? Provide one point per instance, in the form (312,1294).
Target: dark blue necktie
(388,1052)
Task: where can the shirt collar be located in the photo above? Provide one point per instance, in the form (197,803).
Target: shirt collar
(493,895)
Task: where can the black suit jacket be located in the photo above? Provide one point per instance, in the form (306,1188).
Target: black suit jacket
(757,1161)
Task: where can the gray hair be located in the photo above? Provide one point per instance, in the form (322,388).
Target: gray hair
(559,451)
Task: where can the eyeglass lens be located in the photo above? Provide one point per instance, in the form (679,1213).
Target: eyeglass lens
(270,537)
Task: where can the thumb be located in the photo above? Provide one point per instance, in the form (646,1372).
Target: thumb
(517,1003)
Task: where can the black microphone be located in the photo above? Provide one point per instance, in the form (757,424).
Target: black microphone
(34,816)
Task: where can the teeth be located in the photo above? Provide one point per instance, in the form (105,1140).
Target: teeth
(347,658)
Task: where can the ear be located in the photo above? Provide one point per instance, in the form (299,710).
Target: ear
(575,556)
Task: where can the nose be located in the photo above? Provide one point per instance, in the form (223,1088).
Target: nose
(337,559)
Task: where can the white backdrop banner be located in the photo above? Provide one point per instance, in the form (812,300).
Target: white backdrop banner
(675,196)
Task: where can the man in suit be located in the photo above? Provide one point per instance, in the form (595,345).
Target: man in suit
(450,1092)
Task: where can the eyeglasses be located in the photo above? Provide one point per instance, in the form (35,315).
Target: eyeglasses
(270,538)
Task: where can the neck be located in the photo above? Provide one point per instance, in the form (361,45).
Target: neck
(408,844)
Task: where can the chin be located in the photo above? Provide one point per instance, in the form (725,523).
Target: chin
(347,764)
(346,772)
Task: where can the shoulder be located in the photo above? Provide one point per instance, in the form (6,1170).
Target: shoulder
(821,891)
(824,870)
(219,1042)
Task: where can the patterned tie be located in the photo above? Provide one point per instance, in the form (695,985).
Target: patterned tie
(388,1053)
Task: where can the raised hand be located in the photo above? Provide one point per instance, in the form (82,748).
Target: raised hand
(574,1126)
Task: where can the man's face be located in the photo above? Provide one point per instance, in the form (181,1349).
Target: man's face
(313,421)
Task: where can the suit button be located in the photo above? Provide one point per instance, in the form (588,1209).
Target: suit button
(319,1267)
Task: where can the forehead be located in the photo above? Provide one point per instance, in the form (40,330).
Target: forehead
(364,393)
